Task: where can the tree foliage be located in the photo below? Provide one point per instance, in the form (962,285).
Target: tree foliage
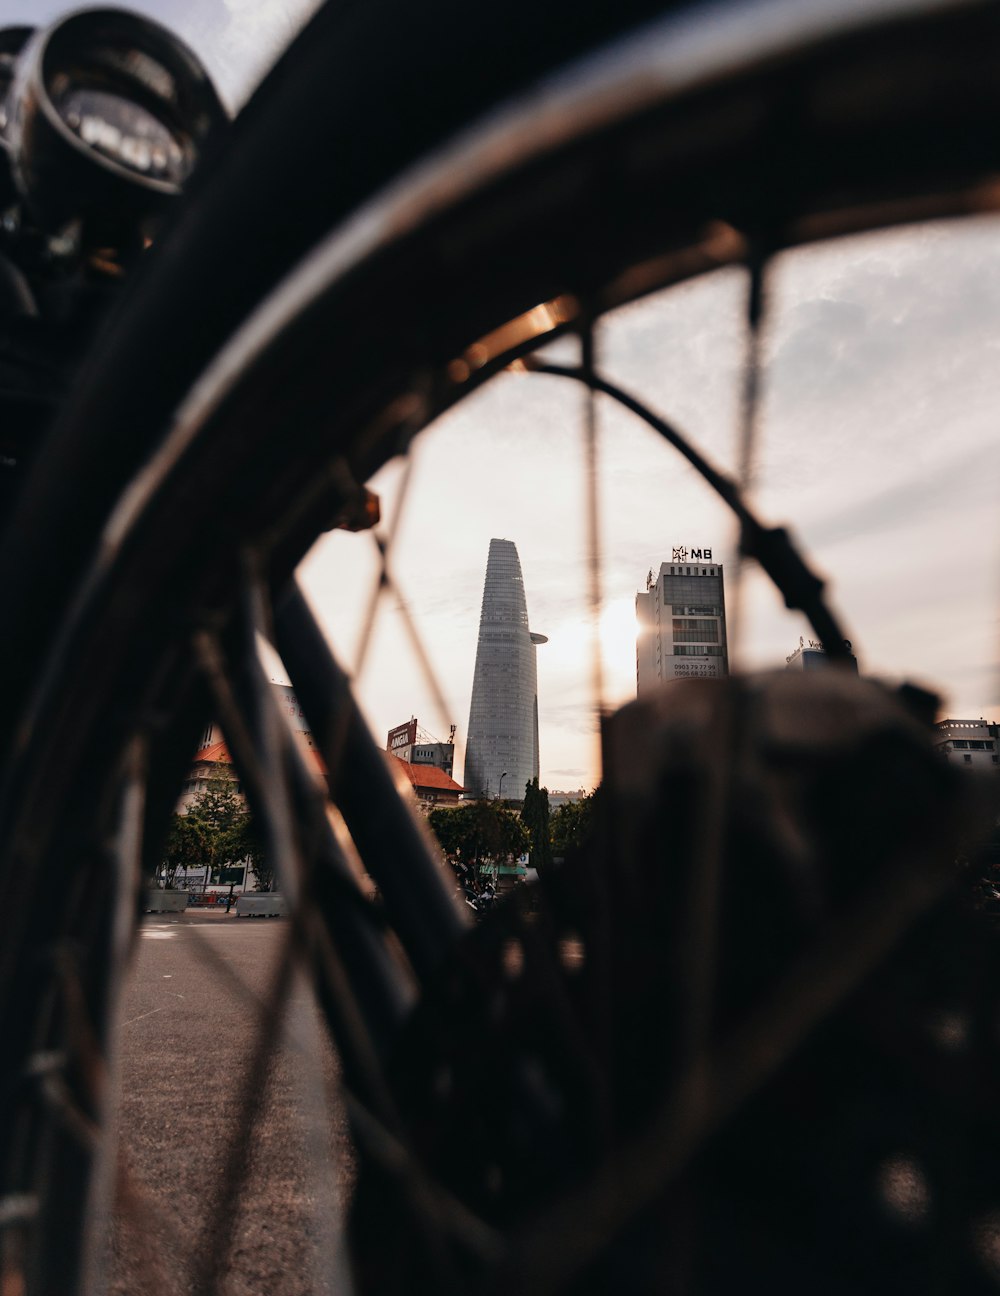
(571,824)
(216,831)
(535,817)
(479,831)
(187,846)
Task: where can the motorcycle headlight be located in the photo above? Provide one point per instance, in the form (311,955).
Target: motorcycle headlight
(12,41)
(108,116)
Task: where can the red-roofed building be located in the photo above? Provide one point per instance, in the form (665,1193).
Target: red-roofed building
(431,786)
(210,762)
(427,772)
(214,762)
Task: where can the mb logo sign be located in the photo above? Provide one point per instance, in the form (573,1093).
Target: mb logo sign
(683,554)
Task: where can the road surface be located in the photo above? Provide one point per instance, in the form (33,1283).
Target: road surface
(186,1041)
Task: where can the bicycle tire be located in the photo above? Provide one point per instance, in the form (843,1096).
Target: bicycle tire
(63,616)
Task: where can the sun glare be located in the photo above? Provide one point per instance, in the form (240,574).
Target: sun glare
(617,629)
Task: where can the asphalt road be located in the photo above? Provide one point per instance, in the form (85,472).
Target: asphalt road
(187,1040)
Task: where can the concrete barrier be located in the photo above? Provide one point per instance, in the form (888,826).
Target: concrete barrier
(264,904)
(157,901)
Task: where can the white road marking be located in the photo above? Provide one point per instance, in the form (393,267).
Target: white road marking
(146,1014)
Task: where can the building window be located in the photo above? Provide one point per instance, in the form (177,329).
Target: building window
(967,759)
(695,630)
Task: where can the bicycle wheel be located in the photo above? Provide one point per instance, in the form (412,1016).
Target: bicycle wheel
(626,157)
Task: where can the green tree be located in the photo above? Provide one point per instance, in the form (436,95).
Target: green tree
(187,846)
(450,829)
(571,824)
(217,831)
(479,831)
(535,817)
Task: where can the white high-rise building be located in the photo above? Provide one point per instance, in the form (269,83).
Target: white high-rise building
(681,621)
(967,743)
(502,752)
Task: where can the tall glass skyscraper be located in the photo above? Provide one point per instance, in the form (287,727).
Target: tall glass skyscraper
(503,718)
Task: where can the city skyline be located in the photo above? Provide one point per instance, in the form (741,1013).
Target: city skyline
(877,448)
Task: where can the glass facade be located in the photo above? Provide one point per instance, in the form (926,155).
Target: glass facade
(503,717)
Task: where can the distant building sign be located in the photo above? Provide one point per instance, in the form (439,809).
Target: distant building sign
(401,739)
(811,655)
(700,669)
(816,645)
(293,708)
(681,553)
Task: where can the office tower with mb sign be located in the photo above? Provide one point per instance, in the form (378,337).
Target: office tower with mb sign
(502,751)
(681,621)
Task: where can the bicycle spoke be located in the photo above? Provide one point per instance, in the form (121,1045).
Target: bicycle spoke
(750,404)
(127,859)
(212,1257)
(552,1248)
(419,649)
(264,752)
(271,741)
(311,840)
(351,1028)
(698,956)
(331,1271)
(748,436)
(591,469)
(317,1106)
(544,964)
(772,547)
(47,1071)
(699,947)
(412,903)
(440,1211)
(383,545)
(385,586)
(389,839)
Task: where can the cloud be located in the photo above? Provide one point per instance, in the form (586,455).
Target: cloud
(917,498)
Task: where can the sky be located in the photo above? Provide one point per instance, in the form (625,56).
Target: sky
(877,446)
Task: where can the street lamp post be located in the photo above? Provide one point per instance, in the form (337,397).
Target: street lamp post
(500,792)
